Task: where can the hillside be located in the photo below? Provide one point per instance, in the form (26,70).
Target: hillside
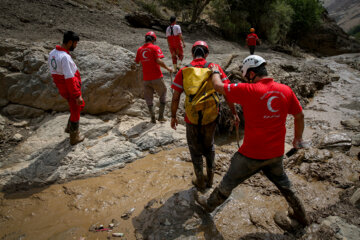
(346,12)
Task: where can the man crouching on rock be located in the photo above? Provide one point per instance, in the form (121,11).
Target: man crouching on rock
(66,76)
(266,105)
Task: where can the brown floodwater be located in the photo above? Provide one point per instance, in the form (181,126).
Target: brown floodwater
(162,180)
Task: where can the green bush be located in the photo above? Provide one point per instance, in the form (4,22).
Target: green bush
(280,14)
(355,31)
(307,16)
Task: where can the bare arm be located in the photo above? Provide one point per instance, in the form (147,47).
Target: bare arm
(182,40)
(174,107)
(298,129)
(162,64)
(216,80)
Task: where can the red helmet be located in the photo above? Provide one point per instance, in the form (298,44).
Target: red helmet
(200,43)
(151,33)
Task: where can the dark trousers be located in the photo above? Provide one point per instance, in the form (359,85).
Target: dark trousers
(252,49)
(201,143)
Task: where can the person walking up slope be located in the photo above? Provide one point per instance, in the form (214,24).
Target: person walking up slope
(149,55)
(251,40)
(67,79)
(266,105)
(176,42)
(201,108)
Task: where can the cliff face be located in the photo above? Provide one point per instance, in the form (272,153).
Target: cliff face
(329,39)
(346,12)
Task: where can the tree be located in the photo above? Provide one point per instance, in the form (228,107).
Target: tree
(194,8)
(307,15)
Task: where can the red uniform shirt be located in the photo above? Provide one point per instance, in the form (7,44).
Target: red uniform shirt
(147,55)
(251,39)
(177,85)
(64,72)
(265,105)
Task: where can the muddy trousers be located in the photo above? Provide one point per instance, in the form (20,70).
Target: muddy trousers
(201,143)
(241,168)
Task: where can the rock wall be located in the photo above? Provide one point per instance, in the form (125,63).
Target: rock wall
(109,75)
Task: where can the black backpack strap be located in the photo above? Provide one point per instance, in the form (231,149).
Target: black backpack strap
(171,31)
(206,64)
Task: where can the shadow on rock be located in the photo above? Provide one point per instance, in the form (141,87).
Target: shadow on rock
(39,173)
(176,218)
(266,236)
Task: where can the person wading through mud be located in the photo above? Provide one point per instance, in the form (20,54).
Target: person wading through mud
(201,123)
(67,78)
(176,42)
(149,55)
(265,105)
(251,40)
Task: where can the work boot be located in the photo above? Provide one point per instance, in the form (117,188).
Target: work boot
(161,112)
(209,177)
(297,210)
(67,129)
(152,113)
(285,222)
(215,199)
(75,136)
(199,183)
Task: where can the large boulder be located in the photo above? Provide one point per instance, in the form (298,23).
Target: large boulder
(109,76)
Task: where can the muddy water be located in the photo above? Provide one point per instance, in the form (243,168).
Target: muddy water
(158,189)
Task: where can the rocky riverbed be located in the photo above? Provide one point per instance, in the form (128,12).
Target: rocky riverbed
(136,175)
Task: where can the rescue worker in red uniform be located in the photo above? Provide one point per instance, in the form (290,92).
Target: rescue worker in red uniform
(251,40)
(149,55)
(200,139)
(266,105)
(67,79)
(176,42)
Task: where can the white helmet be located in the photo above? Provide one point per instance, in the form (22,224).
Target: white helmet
(251,61)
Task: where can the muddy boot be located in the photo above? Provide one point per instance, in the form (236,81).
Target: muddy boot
(297,210)
(152,113)
(161,112)
(199,183)
(215,199)
(75,136)
(67,129)
(209,177)
(210,164)
(282,219)
(199,180)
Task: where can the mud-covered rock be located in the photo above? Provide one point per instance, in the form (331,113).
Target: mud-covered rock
(355,139)
(351,124)
(355,198)
(335,140)
(342,229)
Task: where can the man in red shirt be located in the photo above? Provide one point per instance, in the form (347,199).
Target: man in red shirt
(67,78)
(200,138)
(174,38)
(149,55)
(251,40)
(266,105)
